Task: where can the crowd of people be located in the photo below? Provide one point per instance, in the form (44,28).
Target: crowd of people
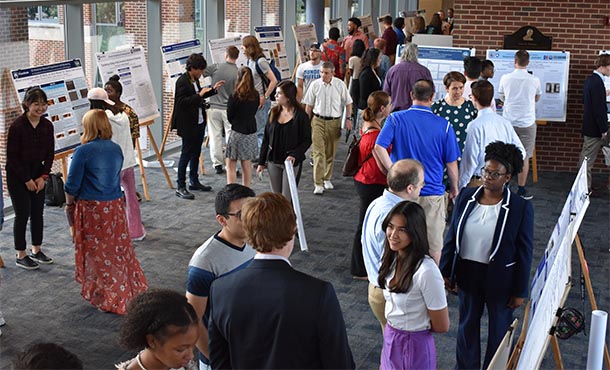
(245,305)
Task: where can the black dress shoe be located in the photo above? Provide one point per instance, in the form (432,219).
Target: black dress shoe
(219,170)
(199,186)
(184,194)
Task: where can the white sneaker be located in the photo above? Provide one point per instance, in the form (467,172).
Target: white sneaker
(328,185)
(318,189)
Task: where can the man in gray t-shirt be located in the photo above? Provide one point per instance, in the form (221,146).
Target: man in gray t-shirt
(217,113)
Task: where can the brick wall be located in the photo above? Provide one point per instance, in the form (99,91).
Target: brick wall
(238,16)
(271,13)
(575,25)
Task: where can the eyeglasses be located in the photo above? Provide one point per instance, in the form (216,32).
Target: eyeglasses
(236,214)
(494,175)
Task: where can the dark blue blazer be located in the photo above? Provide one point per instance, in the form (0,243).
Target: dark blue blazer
(270,316)
(510,260)
(595,116)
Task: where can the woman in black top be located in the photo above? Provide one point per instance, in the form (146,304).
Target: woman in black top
(30,150)
(242,143)
(369,80)
(287,137)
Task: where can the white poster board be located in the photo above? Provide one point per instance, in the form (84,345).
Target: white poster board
(218,49)
(305,35)
(130,65)
(551,282)
(440,61)
(66,89)
(175,56)
(296,205)
(271,39)
(432,40)
(500,359)
(367,26)
(551,67)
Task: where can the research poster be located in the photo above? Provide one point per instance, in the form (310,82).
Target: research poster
(66,89)
(174,58)
(440,61)
(367,26)
(551,67)
(271,39)
(130,65)
(218,49)
(305,35)
(338,23)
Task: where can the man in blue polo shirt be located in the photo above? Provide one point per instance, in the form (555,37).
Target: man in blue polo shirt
(418,133)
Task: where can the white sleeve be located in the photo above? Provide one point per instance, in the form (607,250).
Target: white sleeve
(300,71)
(432,286)
(501,88)
(469,157)
(309,98)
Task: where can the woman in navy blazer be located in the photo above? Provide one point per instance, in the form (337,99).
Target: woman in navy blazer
(487,254)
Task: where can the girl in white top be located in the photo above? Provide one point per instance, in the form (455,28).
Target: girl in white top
(414,291)
(121,135)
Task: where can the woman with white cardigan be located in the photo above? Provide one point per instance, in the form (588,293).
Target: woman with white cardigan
(121,135)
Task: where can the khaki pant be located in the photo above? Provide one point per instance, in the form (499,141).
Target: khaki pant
(217,122)
(324,139)
(435,210)
(377,303)
(590,149)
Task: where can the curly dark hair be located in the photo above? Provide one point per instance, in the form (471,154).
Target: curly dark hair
(46,356)
(152,313)
(507,154)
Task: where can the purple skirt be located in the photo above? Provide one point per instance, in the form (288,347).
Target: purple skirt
(407,349)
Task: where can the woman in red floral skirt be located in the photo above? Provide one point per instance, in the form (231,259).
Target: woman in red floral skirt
(106,264)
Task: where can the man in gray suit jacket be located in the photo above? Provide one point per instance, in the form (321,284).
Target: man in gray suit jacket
(268,315)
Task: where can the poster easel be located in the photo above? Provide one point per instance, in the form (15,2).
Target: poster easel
(168,128)
(159,158)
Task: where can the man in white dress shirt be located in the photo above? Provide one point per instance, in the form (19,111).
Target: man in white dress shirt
(520,91)
(485,129)
(325,100)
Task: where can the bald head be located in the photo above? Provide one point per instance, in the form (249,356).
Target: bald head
(406,177)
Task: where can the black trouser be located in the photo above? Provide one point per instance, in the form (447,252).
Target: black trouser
(191,150)
(367,193)
(27,205)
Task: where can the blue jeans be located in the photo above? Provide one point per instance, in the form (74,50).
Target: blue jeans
(472,301)
(262,116)
(191,148)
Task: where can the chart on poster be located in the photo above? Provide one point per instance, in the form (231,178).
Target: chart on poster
(175,56)
(130,65)
(551,67)
(271,39)
(440,60)
(66,89)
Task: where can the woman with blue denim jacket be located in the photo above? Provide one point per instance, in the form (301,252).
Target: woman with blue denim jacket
(105,261)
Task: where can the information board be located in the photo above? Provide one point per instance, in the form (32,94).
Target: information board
(305,35)
(218,49)
(367,26)
(551,67)
(440,61)
(174,59)
(130,65)
(271,39)
(337,23)
(66,89)
(551,281)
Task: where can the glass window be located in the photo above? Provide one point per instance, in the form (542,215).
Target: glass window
(45,13)
(271,12)
(301,12)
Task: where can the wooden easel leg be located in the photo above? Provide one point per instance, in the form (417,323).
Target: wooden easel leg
(1,262)
(556,353)
(142,173)
(534,167)
(159,158)
(201,165)
(166,133)
(585,273)
(514,357)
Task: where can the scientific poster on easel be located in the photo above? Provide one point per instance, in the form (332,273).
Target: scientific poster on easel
(305,35)
(271,39)
(130,65)
(440,61)
(66,89)
(218,49)
(551,281)
(175,56)
(551,67)
(367,26)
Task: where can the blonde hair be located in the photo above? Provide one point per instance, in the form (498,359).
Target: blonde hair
(95,125)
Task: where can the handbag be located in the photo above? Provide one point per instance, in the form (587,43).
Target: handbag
(351,165)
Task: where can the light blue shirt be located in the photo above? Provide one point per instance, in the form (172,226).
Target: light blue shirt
(373,235)
(486,128)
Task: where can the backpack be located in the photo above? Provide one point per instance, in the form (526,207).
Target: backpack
(351,165)
(266,82)
(54,191)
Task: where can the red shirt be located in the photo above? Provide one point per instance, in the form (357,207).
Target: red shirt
(348,42)
(391,41)
(334,53)
(369,173)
